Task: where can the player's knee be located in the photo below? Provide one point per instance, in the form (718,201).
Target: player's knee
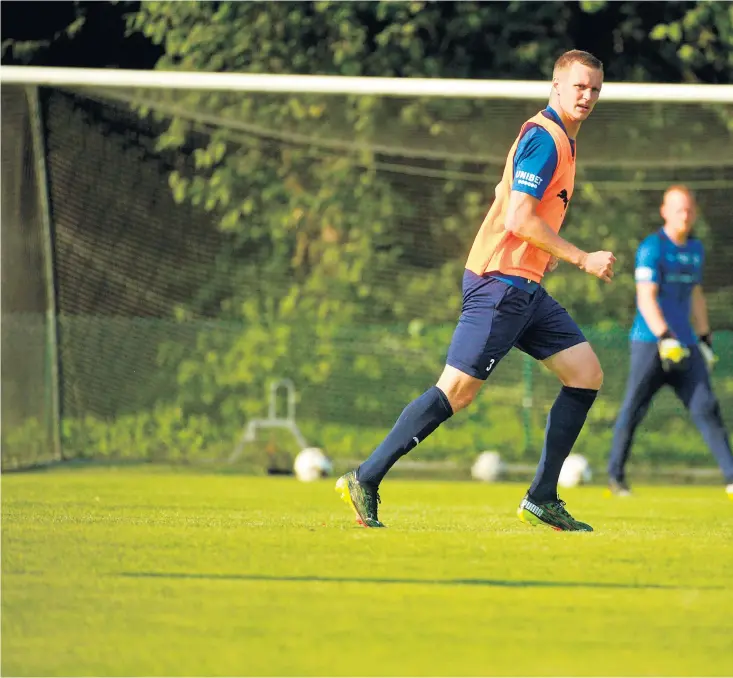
(577,367)
(459,398)
(458,387)
(590,376)
(595,377)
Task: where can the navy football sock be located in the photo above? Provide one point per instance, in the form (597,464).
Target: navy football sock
(417,421)
(564,423)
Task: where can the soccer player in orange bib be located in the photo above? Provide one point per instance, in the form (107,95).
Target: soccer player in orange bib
(505,305)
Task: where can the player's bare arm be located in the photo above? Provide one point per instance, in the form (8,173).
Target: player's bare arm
(522,221)
(648,304)
(699,312)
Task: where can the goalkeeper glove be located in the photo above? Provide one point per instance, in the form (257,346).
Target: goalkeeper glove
(672,353)
(706,348)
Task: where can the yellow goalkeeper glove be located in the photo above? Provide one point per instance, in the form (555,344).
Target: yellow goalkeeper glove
(672,353)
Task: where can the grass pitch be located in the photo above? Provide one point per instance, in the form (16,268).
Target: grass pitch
(119,572)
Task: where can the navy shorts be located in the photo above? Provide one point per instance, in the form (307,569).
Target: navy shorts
(497,316)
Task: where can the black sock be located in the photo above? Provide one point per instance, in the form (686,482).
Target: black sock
(417,421)
(564,423)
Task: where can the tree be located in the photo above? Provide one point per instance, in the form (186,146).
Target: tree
(284,173)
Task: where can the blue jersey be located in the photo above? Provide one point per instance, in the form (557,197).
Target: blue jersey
(676,269)
(535,159)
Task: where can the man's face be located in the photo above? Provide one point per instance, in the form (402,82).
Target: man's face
(579,88)
(679,212)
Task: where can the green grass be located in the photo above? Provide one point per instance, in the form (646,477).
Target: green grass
(125,572)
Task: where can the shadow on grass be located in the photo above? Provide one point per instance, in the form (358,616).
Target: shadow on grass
(498,583)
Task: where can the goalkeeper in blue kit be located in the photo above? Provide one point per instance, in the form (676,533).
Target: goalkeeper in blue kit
(671,341)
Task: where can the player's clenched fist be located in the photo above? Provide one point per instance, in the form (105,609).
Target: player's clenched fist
(599,264)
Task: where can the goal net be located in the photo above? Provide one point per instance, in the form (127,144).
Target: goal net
(203,244)
(29,388)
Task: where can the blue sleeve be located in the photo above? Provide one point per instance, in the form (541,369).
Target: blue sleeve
(647,261)
(535,161)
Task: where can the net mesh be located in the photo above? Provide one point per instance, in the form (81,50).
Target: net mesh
(28,419)
(206,244)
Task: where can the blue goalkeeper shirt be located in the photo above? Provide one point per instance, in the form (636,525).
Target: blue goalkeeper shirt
(676,269)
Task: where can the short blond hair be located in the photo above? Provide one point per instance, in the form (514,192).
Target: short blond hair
(678,188)
(564,61)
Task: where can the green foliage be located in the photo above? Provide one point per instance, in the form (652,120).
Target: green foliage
(320,280)
(351,386)
(164,433)
(345,221)
(290,206)
(25,443)
(24,51)
(702,40)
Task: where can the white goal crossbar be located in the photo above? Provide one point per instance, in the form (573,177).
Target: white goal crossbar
(336,84)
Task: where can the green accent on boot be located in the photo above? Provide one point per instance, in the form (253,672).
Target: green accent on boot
(550,514)
(362,499)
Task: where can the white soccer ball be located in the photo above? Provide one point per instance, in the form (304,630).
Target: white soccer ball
(575,471)
(312,464)
(487,467)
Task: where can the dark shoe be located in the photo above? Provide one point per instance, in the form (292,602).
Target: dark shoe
(550,514)
(362,498)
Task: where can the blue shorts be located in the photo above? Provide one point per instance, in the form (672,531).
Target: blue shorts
(497,316)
